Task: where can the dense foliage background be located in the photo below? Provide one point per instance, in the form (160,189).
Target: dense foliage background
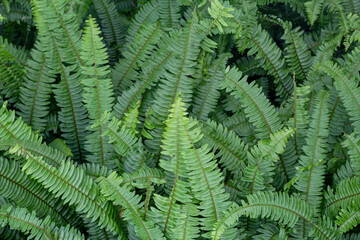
(179,119)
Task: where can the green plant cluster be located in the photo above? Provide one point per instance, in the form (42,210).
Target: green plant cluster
(180,119)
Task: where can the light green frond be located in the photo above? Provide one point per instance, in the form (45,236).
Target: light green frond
(98,91)
(313,9)
(119,135)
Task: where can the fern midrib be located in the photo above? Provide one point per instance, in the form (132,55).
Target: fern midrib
(203,172)
(70,98)
(258,108)
(35,195)
(36,91)
(186,222)
(147,197)
(130,206)
(341,199)
(340,12)
(139,178)
(170,13)
(333,110)
(137,54)
(116,134)
(143,84)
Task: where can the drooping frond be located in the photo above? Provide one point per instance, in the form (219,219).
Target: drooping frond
(258,174)
(121,195)
(348,219)
(75,188)
(27,193)
(271,60)
(98,91)
(27,222)
(137,52)
(276,206)
(313,9)
(113,27)
(14,133)
(348,90)
(347,192)
(207,93)
(256,106)
(36,89)
(152,71)
(231,149)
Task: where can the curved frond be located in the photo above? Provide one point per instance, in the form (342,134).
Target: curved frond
(121,195)
(256,106)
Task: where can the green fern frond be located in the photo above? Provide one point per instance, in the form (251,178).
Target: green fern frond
(21,219)
(256,106)
(121,195)
(313,9)
(98,91)
(231,149)
(36,89)
(119,135)
(136,53)
(353,144)
(27,193)
(207,93)
(276,206)
(348,91)
(348,219)
(271,60)
(75,188)
(258,174)
(169,12)
(297,56)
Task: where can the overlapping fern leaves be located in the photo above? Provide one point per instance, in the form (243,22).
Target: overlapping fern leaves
(179,119)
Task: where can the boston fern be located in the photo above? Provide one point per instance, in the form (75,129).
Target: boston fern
(180,119)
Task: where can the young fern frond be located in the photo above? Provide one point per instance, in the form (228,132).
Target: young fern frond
(121,195)
(98,91)
(256,106)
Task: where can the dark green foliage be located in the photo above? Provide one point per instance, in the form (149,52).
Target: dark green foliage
(180,119)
